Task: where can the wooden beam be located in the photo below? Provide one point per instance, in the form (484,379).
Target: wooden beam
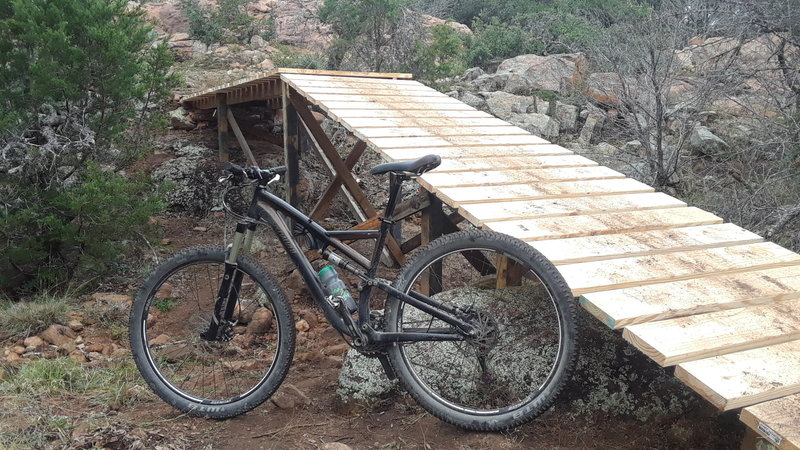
(291,146)
(324,202)
(240,138)
(222,127)
(432,226)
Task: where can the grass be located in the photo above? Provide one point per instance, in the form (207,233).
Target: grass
(115,383)
(27,318)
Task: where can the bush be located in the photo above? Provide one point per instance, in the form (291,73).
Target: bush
(78,231)
(443,57)
(289,58)
(29,318)
(494,40)
(81,77)
(227,23)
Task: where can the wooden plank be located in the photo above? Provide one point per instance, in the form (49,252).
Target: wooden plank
(291,148)
(346,114)
(777,420)
(372,133)
(606,223)
(431,227)
(531,190)
(325,202)
(642,270)
(419,104)
(481,213)
(624,307)
(470,171)
(455,152)
(314,89)
(610,246)
(390,100)
(297,75)
(673,341)
(437,122)
(745,378)
(538,190)
(448,141)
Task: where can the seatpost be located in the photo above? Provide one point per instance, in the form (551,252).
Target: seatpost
(395,187)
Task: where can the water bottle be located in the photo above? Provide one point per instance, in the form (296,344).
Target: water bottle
(336,288)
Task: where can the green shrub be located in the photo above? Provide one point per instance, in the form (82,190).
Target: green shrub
(227,23)
(443,57)
(79,230)
(289,58)
(494,41)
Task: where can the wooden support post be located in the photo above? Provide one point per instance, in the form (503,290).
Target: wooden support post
(432,226)
(509,272)
(291,147)
(222,126)
(240,138)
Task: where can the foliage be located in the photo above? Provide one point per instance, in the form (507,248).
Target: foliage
(366,25)
(495,40)
(76,231)
(441,58)
(290,58)
(81,80)
(227,23)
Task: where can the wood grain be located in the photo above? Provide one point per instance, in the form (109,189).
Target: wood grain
(776,420)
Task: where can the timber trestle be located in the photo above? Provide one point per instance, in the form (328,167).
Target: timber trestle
(712,299)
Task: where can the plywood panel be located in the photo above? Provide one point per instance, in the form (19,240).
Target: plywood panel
(674,341)
(624,307)
(745,378)
(534,190)
(481,213)
(641,270)
(776,420)
(609,223)
(610,246)
(463,151)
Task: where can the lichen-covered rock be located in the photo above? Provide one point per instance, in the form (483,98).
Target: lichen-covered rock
(557,73)
(192,177)
(538,124)
(363,379)
(703,141)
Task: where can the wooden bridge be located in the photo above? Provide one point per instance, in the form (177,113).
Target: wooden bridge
(716,301)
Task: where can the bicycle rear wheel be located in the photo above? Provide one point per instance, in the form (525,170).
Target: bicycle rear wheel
(215,378)
(515,366)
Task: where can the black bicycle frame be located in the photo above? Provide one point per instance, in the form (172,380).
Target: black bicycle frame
(269,208)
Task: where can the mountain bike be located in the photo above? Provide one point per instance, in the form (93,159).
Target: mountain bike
(478,326)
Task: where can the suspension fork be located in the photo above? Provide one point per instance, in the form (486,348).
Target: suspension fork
(228,294)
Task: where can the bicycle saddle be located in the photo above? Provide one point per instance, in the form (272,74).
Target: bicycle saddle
(414,167)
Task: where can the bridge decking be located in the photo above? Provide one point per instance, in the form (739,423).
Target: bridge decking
(686,289)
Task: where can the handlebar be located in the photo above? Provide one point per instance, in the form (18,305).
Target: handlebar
(263,176)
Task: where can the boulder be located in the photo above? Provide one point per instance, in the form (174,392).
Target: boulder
(592,128)
(193,175)
(58,335)
(608,88)
(179,119)
(557,73)
(431,21)
(363,379)
(505,105)
(538,124)
(705,142)
(472,74)
(297,23)
(567,116)
(488,82)
(473,100)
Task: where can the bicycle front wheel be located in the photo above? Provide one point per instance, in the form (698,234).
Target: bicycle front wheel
(515,365)
(221,377)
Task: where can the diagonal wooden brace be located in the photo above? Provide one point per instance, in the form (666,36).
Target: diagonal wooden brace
(301,105)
